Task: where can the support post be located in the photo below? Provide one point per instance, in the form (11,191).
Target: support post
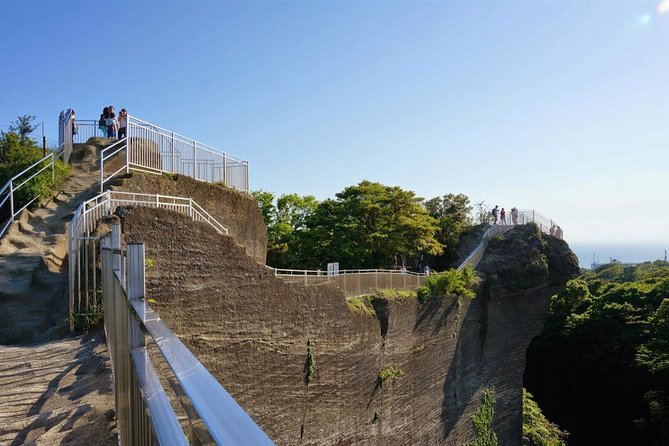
(195,159)
(11,198)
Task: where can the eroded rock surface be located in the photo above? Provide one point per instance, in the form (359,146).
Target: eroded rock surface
(251,330)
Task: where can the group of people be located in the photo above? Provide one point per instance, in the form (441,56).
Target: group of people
(556,231)
(111,125)
(499,217)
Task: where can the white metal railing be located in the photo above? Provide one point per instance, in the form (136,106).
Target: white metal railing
(86,129)
(8,193)
(144,413)
(153,149)
(364,281)
(522,217)
(356,282)
(83,246)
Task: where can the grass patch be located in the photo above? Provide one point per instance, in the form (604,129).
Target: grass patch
(390,372)
(89,320)
(221,184)
(393,294)
(152,301)
(171,176)
(150,263)
(361,305)
(452,281)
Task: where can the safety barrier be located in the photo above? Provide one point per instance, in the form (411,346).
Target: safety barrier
(153,149)
(359,282)
(143,410)
(9,192)
(83,245)
(356,282)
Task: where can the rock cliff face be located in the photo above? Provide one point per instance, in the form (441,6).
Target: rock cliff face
(252,331)
(236,211)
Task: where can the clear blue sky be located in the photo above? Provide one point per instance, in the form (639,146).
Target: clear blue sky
(558,106)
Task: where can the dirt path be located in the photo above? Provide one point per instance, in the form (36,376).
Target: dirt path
(54,389)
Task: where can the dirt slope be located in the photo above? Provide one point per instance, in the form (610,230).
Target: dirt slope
(54,392)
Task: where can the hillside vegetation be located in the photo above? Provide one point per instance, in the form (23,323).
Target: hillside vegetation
(601,367)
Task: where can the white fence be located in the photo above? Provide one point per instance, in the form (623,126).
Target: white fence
(151,148)
(356,282)
(144,413)
(83,247)
(359,282)
(11,202)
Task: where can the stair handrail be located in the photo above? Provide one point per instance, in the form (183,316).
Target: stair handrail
(11,189)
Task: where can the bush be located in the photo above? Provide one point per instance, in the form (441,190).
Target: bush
(361,305)
(451,281)
(537,428)
(17,153)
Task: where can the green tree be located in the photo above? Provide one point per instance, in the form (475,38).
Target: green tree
(370,225)
(23,126)
(452,212)
(285,221)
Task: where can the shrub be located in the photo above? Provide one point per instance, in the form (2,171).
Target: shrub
(390,372)
(361,305)
(482,420)
(390,294)
(537,428)
(171,176)
(309,365)
(451,281)
(17,154)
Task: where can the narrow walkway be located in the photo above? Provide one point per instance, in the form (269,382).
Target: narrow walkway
(57,390)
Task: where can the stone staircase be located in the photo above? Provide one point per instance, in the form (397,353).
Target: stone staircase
(54,389)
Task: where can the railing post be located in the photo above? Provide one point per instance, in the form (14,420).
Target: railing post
(195,159)
(70,261)
(136,288)
(117,258)
(174,159)
(53,167)
(225,169)
(11,198)
(127,145)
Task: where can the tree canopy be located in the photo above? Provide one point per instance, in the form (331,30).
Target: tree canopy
(368,225)
(605,351)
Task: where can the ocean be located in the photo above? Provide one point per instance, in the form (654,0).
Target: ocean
(624,252)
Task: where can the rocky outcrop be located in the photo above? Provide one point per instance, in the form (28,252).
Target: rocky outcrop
(252,332)
(236,211)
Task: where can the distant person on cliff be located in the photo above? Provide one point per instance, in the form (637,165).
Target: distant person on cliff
(502,216)
(102,123)
(495,215)
(553,230)
(558,232)
(110,122)
(122,124)
(514,215)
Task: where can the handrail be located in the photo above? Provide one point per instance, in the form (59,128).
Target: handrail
(306,276)
(319,272)
(10,188)
(143,409)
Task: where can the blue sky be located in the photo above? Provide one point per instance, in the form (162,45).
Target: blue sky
(558,106)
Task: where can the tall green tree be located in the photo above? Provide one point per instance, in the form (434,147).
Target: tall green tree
(452,212)
(285,221)
(371,225)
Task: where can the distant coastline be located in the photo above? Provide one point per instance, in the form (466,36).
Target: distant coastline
(625,252)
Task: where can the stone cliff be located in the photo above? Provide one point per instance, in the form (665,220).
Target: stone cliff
(256,333)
